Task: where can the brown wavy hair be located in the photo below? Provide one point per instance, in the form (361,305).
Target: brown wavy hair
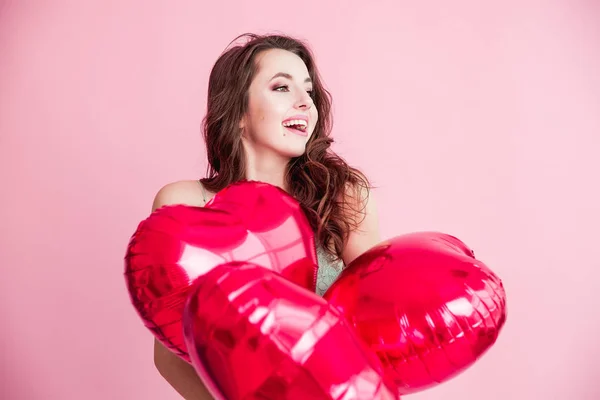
(331,192)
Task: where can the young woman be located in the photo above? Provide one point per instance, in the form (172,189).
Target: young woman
(269,119)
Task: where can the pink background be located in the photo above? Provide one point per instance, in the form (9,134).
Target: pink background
(478,120)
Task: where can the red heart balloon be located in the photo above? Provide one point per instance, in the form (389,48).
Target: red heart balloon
(252,334)
(423,304)
(247,221)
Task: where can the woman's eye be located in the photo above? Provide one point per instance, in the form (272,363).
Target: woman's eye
(286,88)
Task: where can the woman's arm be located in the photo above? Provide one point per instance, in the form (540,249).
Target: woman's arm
(366,235)
(178,373)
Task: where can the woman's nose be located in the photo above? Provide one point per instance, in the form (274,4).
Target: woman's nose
(305,101)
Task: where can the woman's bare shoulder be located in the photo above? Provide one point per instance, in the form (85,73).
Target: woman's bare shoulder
(188,192)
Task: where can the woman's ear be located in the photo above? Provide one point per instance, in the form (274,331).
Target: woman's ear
(242,126)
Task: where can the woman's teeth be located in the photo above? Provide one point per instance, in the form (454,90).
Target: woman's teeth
(296,124)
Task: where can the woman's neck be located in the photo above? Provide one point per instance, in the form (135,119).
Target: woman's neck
(266,168)
(273,177)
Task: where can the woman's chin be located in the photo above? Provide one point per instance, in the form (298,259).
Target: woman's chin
(293,151)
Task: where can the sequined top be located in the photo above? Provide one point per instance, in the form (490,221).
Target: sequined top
(329,270)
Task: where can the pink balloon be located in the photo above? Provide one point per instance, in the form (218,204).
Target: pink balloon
(248,220)
(252,334)
(424,305)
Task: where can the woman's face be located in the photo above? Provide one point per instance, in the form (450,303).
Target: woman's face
(281,115)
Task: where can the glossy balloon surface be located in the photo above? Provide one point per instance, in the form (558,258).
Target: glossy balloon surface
(252,334)
(247,221)
(424,305)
